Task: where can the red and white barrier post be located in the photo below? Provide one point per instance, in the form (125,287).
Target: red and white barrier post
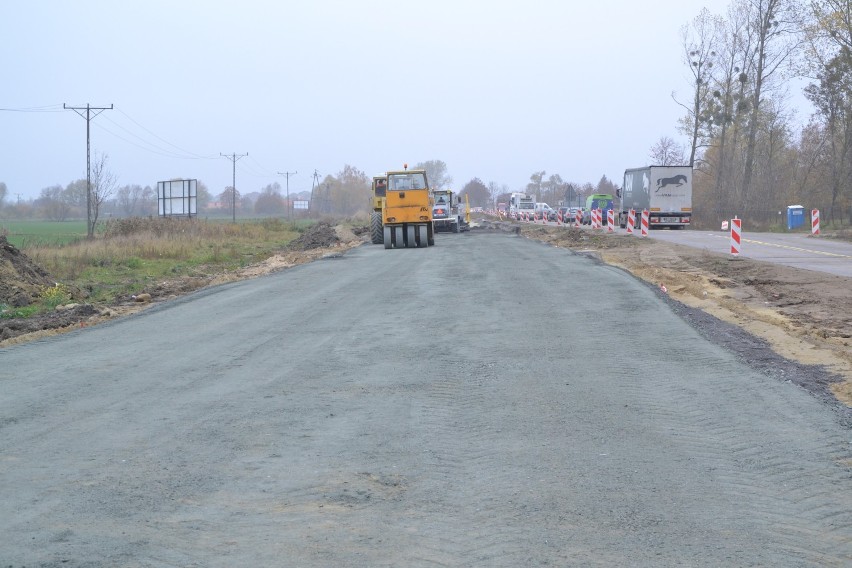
(645,217)
(610,221)
(631,221)
(736,233)
(578,218)
(815,221)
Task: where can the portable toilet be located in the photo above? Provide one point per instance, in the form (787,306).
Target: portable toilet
(795,216)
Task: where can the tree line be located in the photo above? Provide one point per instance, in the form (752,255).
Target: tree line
(343,194)
(750,157)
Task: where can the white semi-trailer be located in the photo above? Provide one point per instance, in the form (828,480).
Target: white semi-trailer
(665,191)
(521,204)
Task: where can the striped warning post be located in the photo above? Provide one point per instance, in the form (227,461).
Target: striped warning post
(736,233)
(610,221)
(559,217)
(644,227)
(815,221)
(578,218)
(631,221)
(596,220)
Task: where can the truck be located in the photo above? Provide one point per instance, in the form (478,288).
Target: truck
(665,191)
(407,210)
(377,202)
(448,214)
(520,204)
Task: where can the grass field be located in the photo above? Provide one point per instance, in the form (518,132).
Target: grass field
(26,234)
(129,254)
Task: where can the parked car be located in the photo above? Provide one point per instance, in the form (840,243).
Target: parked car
(569,213)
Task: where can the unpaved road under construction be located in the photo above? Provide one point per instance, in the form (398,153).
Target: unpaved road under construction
(490,401)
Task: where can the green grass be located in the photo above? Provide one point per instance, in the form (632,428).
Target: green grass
(24,234)
(131,255)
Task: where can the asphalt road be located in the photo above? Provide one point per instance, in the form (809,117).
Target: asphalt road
(490,401)
(798,250)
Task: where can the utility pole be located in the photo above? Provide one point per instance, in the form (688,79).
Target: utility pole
(90,231)
(288,174)
(234,157)
(314,183)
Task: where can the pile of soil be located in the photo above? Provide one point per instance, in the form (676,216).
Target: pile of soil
(320,235)
(21,280)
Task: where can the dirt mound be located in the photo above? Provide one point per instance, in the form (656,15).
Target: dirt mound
(21,280)
(51,321)
(321,235)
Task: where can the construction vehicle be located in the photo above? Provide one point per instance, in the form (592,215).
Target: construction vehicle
(377,202)
(448,213)
(665,191)
(407,210)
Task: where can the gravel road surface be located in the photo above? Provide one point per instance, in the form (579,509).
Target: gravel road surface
(490,401)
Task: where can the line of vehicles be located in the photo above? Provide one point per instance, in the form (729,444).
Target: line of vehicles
(664,191)
(406,212)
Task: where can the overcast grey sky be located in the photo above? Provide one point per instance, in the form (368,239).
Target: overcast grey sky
(497,89)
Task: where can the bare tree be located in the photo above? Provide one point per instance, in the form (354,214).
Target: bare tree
(700,53)
(536,179)
(3,191)
(128,198)
(729,103)
(667,152)
(829,35)
(494,191)
(53,204)
(774,27)
(436,174)
(104,184)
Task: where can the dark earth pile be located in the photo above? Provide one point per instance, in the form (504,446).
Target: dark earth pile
(320,235)
(21,280)
(21,283)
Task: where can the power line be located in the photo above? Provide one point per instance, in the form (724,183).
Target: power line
(163,139)
(48,108)
(90,230)
(234,157)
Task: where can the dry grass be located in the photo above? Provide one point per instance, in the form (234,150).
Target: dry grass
(129,252)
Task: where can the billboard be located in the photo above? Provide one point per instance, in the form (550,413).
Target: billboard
(177,198)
